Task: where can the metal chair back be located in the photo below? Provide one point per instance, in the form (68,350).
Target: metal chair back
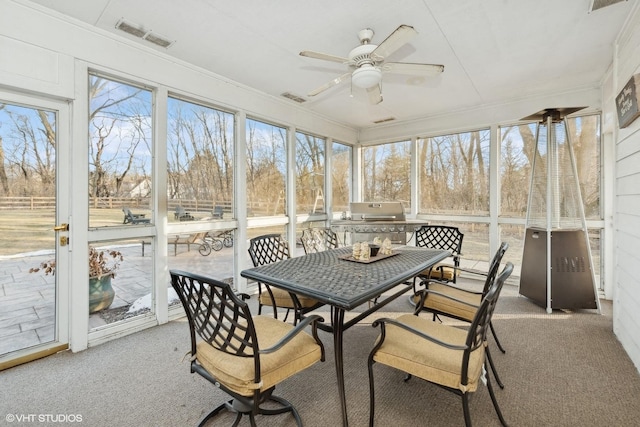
(216,314)
(267,249)
(318,239)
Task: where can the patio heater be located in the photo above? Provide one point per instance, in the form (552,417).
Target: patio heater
(557,268)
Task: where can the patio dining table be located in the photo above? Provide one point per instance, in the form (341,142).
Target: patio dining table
(335,279)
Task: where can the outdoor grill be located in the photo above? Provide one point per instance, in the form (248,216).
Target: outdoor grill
(368,220)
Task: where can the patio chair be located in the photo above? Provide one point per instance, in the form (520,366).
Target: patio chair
(438,237)
(445,355)
(217,212)
(186,239)
(444,299)
(318,239)
(441,237)
(182,215)
(267,249)
(131,218)
(243,355)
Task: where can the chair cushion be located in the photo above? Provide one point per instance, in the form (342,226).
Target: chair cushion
(238,373)
(424,359)
(440,272)
(454,308)
(283,299)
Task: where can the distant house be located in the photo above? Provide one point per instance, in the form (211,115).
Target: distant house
(141,189)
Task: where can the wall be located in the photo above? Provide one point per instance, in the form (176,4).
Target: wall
(38,50)
(626,307)
(457,121)
(47,56)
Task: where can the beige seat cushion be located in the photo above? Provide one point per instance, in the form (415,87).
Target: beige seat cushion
(446,305)
(427,360)
(238,374)
(283,299)
(440,272)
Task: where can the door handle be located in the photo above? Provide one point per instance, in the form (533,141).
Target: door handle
(61,227)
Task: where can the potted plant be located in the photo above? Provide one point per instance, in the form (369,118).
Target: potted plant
(102,268)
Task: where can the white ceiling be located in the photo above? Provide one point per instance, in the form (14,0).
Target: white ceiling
(494,51)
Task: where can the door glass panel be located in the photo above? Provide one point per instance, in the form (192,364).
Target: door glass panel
(27,217)
(120,153)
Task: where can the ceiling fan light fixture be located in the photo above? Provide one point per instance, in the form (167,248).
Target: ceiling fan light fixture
(366,76)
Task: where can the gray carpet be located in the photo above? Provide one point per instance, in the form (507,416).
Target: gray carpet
(563,369)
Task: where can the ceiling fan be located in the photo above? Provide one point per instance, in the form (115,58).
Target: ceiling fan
(366,62)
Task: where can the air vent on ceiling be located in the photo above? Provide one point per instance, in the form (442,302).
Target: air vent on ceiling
(155,39)
(293,97)
(140,32)
(388,119)
(599,4)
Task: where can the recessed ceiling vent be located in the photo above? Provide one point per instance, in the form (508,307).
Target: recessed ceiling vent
(599,4)
(388,119)
(293,97)
(140,32)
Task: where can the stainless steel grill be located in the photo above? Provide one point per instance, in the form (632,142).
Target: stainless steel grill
(370,220)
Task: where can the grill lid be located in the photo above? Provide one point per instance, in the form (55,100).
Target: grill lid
(377,211)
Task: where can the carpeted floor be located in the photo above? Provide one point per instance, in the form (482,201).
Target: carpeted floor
(562,369)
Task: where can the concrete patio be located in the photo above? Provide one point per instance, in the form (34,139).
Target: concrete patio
(27,300)
(27,311)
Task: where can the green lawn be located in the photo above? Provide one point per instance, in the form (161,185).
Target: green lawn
(24,230)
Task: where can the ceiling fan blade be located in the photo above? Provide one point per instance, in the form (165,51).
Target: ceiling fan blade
(375,97)
(399,37)
(412,68)
(324,56)
(330,84)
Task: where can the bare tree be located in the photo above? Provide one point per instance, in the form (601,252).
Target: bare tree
(118,123)
(32,150)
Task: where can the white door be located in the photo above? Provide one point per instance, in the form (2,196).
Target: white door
(34,216)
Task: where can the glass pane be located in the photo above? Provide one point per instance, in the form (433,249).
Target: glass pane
(514,235)
(341,177)
(207,253)
(595,239)
(28,215)
(517,145)
(266,169)
(200,156)
(475,245)
(120,281)
(554,196)
(309,174)
(584,133)
(454,173)
(387,173)
(120,153)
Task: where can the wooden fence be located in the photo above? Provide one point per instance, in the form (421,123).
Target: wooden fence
(36,202)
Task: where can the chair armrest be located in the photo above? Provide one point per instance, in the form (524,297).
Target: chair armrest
(309,320)
(449,285)
(424,293)
(457,269)
(382,322)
